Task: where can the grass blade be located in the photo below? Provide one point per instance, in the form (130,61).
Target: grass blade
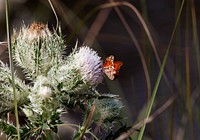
(12,66)
(160,74)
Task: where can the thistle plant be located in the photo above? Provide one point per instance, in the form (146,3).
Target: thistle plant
(54,83)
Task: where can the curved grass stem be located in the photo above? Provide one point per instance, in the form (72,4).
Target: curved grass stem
(54,11)
(136,43)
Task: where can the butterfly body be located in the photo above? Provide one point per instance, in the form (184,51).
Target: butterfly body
(111,67)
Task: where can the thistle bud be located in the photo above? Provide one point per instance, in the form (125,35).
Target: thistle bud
(37,49)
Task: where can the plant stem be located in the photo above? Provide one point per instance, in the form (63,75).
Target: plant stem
(12,67)
(89,118)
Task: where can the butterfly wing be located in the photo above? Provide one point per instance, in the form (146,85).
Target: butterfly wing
(108,67)
(109,61)
(110,74)
(111,68)
(117,66)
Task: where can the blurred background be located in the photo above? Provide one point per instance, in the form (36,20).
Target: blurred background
(136,33)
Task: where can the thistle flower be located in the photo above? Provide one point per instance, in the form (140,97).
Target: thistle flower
(37,49)
(82,69)
(89,64)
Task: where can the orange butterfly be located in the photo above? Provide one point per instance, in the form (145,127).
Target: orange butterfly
(111,68)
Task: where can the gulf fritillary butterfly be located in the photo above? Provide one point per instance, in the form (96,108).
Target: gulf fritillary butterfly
(111,68)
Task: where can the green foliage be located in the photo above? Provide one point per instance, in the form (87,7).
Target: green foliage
(8,129)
